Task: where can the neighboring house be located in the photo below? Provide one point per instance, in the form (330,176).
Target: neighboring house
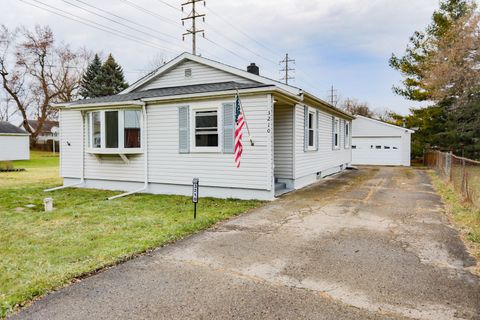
(48,133)
(375,142)
(14,143)
(178,123)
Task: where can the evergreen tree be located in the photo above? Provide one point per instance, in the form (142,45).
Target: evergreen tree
(90,85)
(421,45)
(112,77)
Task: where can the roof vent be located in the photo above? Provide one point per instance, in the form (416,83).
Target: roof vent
(253,68)
(188,73)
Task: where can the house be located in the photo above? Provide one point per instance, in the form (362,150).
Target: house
(375,142)
(48,134)
(14,143)
(178,123)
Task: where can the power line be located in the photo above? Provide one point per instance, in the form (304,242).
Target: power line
(287,69)
(122,18)
(193,15)
(168,4)
(95,25)
(242,32)
(151,13)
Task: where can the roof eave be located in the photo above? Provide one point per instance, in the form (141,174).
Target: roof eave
(328,105)
(214,64)
(386,124)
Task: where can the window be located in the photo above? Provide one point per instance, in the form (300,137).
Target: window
(378,147)
(386,147)
(347,134)
(111,129)
(354,147)
(96,130)
(336,134)
(311,129)
(131,129)
(206,128)
(114,129)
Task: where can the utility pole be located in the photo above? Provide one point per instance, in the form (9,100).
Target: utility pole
(287,68)
(193,15)
(333,96)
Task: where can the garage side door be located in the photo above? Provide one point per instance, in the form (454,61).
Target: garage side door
(377,151)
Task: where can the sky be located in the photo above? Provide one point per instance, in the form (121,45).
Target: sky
(344,43)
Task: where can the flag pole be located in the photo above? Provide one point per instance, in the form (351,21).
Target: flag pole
(245,118)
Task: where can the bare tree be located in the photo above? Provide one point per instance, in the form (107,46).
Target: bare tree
(35,72)
(7,107)
(153,64)
(353,106)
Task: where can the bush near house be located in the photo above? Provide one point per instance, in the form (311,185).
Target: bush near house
(43,251)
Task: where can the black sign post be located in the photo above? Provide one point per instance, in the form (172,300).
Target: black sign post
(195,196)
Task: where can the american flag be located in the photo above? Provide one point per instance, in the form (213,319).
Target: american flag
(239,123)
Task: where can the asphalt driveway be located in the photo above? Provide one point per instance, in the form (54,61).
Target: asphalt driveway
(367,244)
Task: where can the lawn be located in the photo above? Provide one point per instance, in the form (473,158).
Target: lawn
(43,251)
(464,215)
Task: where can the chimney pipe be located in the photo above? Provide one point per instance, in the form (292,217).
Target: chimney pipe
(253,68)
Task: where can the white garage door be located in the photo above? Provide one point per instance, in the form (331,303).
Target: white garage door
(377,151)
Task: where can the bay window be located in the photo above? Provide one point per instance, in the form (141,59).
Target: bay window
(132,129)
(95,124)
(114,130)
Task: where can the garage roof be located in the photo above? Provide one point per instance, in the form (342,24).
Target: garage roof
(8,128)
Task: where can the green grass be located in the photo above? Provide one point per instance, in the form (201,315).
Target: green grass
(465,215)
(43,251)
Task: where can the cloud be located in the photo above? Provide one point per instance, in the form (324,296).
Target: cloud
(341,42)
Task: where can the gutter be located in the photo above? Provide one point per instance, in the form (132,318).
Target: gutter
(145,155)
(97,104)
(82,178)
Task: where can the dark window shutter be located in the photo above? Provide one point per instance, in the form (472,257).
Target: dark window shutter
(183,129)
(317,130)
(228,127)
(305,128)
(333,133)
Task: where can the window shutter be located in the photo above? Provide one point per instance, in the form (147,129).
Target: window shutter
(183,129)
(228,127)
(345,124)
(340,133)
(317,130)
(333,133)
(305,128)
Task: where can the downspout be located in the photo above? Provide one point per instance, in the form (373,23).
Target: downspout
(82,148)
(145,155)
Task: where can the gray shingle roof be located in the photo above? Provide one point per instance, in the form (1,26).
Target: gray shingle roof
(172,91)
(7,127)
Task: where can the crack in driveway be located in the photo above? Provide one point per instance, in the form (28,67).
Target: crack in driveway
(370,244)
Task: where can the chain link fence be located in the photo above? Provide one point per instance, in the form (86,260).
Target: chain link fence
(463,173)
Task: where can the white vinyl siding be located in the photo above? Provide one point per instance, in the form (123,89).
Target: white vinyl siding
(201,74)
(217,169)
(14,147)
(308,163)
(283,141)
(369,132)
(70,143)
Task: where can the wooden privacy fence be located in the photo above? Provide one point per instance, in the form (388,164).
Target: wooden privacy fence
(463,173)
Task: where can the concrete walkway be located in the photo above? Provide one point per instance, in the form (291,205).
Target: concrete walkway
(367,244)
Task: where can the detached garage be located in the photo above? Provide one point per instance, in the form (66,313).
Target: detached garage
(375,142)
(14,143)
